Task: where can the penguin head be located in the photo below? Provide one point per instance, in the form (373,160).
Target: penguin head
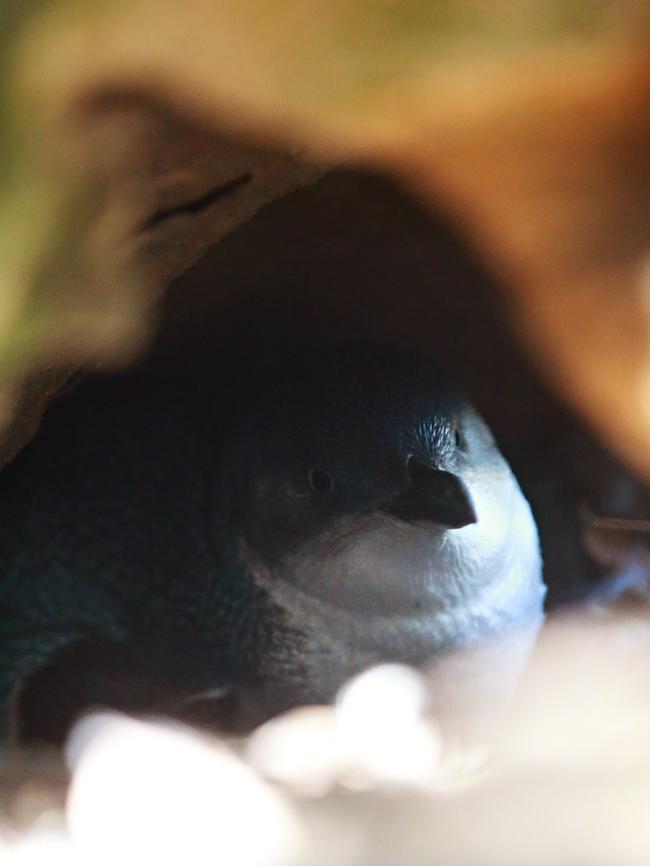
(363,477)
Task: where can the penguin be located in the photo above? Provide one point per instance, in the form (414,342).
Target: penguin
(157,550)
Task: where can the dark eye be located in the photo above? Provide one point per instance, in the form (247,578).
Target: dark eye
(320,481)
(458,439)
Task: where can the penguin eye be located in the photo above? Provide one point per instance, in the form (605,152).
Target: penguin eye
(320,481)
(459,439)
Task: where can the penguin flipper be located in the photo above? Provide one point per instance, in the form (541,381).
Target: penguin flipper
(88,673)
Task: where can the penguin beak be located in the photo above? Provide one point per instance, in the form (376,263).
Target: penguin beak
(435,496)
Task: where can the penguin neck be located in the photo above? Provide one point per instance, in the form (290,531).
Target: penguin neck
(372,566)
(325,593)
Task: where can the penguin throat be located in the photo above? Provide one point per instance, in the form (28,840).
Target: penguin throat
(371,565)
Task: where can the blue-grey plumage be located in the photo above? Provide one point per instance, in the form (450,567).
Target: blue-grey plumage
(355,509)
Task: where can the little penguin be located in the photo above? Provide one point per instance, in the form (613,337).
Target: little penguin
(354,508)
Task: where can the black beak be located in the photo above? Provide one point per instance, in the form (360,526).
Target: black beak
(434,495)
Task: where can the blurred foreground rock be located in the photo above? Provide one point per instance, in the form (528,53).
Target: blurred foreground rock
(373,780)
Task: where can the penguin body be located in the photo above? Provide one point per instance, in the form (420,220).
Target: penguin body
(355,509)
